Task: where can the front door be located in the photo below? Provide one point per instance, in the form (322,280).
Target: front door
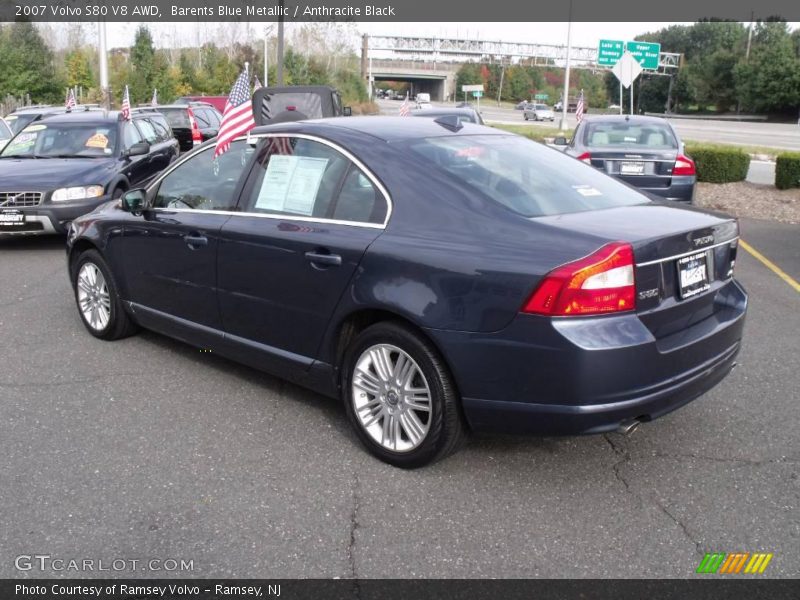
(170,266)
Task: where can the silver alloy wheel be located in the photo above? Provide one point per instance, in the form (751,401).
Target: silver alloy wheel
(391,398)
(93,297)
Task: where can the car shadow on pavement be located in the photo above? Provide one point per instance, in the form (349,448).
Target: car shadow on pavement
(25,243)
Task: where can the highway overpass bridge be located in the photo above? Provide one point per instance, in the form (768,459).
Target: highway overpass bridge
(429,64)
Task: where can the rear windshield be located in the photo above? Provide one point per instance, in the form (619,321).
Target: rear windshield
(542,107)
(176,117)
(637,135)
(525,176)
(307,104)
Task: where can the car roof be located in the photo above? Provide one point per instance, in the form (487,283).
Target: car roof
(83,116)
(173,107)
(640,119)
(388,129)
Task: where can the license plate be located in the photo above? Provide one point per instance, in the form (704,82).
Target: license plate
(693,274)
(12,219)
(631,168)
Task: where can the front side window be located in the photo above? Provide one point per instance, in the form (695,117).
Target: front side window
(305,178)
(201,183)
(524,176)
(130,135)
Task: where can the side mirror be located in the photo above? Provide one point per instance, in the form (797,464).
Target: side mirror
(560,141)
(139,149)
(134,201)
(347,111)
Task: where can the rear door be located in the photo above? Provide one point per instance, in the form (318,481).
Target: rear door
(309,212)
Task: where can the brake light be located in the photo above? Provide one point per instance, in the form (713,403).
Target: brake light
(586,157)
(684,166)
(600,283)
(196,137)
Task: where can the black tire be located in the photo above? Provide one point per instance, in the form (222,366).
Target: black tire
(117,193)
(119,324)
(446,428)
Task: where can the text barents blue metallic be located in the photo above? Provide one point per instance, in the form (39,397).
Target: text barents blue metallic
(439,277)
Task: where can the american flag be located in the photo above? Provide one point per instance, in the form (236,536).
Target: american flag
(579,108)
(154,101)
(256,84)
(405,108)
(237,118)
(71,100)
(126,105)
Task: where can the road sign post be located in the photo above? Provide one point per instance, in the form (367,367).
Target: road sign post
(627,70)
(477,92)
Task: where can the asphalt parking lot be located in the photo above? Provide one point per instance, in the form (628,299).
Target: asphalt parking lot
(148,449)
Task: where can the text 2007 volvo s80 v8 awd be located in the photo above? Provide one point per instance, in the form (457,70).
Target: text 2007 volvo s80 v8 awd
(439,277)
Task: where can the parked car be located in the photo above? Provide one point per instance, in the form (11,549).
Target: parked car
(522,105)
(5,133)
(281,104)
(424,106)
(62,166)
(191,124)
(539,112)
(468,115)
(217,102)
(436,278)
(644,152)
(20,118)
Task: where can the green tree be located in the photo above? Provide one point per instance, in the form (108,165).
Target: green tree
(27,65)
(143,72)
(79,69)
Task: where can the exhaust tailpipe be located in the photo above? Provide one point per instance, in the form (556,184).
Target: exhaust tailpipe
(628,427)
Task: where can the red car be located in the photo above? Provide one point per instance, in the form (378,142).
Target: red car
(217,102)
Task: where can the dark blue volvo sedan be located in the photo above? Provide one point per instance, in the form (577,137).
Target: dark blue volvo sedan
(439,277)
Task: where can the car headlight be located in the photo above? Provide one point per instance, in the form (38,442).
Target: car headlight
(77,193)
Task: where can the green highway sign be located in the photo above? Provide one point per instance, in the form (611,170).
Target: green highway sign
(477,94)
(645,53)
(609,52)
(541,97)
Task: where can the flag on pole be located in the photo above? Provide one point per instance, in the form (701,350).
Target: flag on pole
(71,99)
(256,84)
(154,101)
(405,108)
(126,105)
(580,108)
(237,118)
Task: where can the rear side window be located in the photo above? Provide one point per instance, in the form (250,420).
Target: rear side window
(148,131)
(202,116)
(159,123)
(524,176)
(304,178)
(624,134)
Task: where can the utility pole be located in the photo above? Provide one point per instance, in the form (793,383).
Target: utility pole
(266,60)
(502,77)
(103,52)
(565,100)
(280,45)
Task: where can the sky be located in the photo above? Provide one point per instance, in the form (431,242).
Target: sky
(583,34)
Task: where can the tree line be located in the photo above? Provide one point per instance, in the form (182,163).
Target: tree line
(718,73)
(31,69)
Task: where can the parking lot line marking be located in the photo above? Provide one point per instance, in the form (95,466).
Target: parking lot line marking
(770,265)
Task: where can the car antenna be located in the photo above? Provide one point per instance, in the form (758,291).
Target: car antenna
(450,122)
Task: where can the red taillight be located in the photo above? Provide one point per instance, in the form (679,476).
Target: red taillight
(683,166)
(597,284)
(586,157)
(196,137)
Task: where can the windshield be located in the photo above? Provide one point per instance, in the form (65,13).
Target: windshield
(639,135)
(63,140)
(524,176)
(542,107)
(176,117)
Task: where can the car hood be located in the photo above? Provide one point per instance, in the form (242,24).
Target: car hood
(44,174)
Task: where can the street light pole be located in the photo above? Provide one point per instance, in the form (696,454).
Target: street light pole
(565,97)
(279,66)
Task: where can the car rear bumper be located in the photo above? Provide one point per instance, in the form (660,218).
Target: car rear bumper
(51,218)
(681,188)
(579,376)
